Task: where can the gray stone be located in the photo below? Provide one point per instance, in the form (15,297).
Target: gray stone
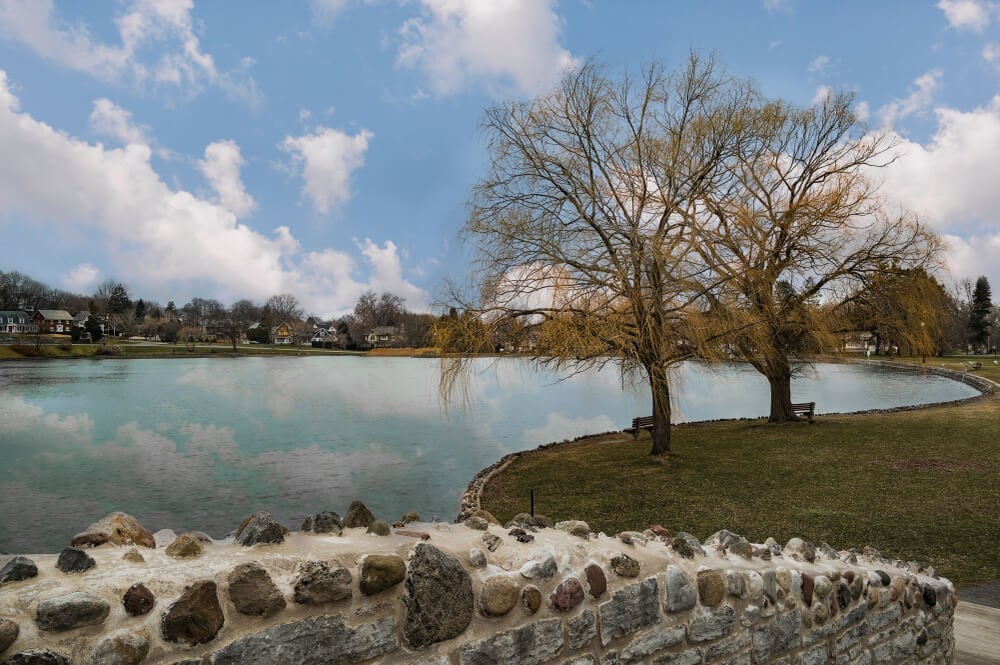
(138,600)
(585,659)
(9,631)
(681,595)
(582,629)
(477,557)
(379,528)
(687,657)
(775,638)
(649,643)
(18,569)
(259,528)
(124,647)
(319,582)
(742,548)
(74,560)
(498,596)
(801,549)
(624,565)
(358,516)
(567,595)
(185,546)
(755,587)
(195,617)
(770,580)
(532,644)
(324,522)
(540,569)
(629,609)
(817,655)
(438,601)
(632,538)
(492,541)
(736,584)
(318,640)
(253,592)
(71,611)
(723,538)
(712,625)
(882,618)
(37,657)
(577,528)
(477,523)
(380,572)
(822,586)
(750,615)
(531,598)
(727,647)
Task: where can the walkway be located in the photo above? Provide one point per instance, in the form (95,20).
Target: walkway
(977,634)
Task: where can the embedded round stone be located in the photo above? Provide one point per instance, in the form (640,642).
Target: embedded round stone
(711,587)
(597,581)
(680,593)
(324,522)
(138,600)
(439,601)
(896,587)
(321,582)
(808,588)
(194,618)
(413,516)
(682,547)
(122,648)
(742,548)
(883,577)
(133,556)
(477,523)
(820,613)
(379,528)
(253,592)
(498,596)
(71,611)
(624,565)
(8,633)
(37,657)
(18,569)
(823,587)
(477,558)
(486,515)
(185,546)
(531,598)
(380,572)
(74,560)
(577,528)
(357,516)
(540,569)
(843,595)
(259,528)
(117,528)
(567,595)
(930,595)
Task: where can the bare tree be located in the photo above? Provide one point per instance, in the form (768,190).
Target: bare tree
(236,319)
(284,308)
(584,222)
(798,224)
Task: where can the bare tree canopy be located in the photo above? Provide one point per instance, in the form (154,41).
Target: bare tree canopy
(584,221)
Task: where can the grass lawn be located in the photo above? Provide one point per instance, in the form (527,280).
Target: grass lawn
(179,350)
(918,485)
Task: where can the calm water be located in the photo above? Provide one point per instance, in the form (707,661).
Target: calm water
(201,443)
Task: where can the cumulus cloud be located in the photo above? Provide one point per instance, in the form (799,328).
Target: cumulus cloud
(967,14)
(862,111)
(166,239)
(818,65)
(823,93)
(166,24)
(327,158)
(326,11)
(81,279)
(221,167)
(916,102)
(507,46)
(109,119)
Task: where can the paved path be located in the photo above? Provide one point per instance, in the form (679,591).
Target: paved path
(977,634)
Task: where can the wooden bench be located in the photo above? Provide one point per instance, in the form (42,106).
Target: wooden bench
(639,424)
(977,365)
(805,409)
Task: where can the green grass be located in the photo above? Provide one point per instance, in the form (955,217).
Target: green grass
(127,350)
(918,485)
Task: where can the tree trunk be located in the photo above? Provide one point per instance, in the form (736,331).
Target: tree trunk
(660,389)
(781,397)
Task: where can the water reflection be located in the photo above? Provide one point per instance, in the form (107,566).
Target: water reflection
(199,443)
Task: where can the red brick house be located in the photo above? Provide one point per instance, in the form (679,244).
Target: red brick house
(53,321)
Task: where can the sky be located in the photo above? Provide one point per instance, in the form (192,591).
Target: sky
(325,148)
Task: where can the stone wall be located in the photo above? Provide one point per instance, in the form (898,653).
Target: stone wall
(465,594)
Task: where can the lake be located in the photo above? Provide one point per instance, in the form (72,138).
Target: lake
(201,443)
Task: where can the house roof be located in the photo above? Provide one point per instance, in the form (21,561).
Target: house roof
(383,330)
(13,312)
(54,314)
(81,316)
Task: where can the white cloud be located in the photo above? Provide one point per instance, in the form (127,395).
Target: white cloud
(109,119)
(221,167)
(950,182)
(917,102)
(560,427)
(327,158)
(967,14)
(776,5)
(819,64)
(164,239)
(862,111)
(81,279)
(164,23)
(823,93)
(991,53)
(509,46)
(326,11)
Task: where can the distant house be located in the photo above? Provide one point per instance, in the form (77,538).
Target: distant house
(53,321)
(283,334)
(80,320)
(16,321)
(382,337)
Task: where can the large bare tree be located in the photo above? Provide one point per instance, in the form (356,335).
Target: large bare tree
(583,221)
(797,229)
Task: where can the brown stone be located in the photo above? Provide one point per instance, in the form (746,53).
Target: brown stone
(624,565)
(896,587)
(322,582)
(194,618)
(138,600)
(808,586)
(253,592)
(498,596)
(486,515)
(122,648)
(567,595)
(711,587)
(8,633)
(413,533)
(202,537)
(661,532)
(380,572)
(117,528)
(531,598)
(185,546)
(597,581)
(133,556)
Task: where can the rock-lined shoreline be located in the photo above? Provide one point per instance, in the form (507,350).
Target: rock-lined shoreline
(462,594)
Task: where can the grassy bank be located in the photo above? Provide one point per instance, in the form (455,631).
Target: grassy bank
(126,350)
(921,485)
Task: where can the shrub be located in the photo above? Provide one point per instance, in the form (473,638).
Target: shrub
(27,351)
(66,347)
(108,350)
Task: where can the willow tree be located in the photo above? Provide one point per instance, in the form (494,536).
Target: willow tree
(582,225)
(798,229)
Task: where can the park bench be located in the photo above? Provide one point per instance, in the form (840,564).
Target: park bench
(805,409)
(977,365)
(639,424)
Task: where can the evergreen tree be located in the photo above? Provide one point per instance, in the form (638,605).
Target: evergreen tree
(979,313)
(140,311)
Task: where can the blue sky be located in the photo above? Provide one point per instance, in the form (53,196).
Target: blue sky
(240,149)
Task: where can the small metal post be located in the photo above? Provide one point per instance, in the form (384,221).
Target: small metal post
(532,501)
